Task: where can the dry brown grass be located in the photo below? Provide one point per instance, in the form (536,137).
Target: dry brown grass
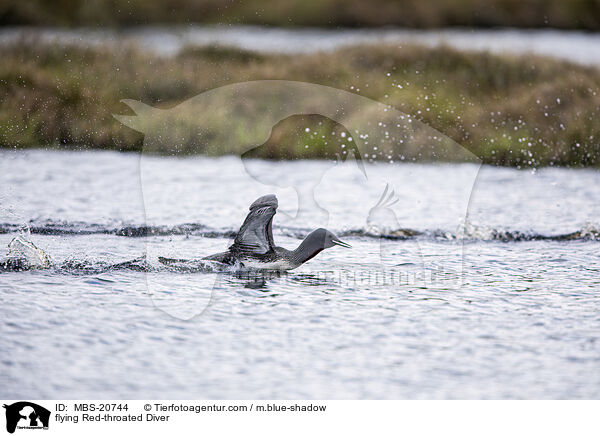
(567,14)
(507,110)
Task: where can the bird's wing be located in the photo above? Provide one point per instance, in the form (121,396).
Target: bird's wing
(256,234)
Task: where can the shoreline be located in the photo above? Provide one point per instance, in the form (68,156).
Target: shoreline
(521,111)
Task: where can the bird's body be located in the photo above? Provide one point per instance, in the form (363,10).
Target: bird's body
(255,262)
(254,247)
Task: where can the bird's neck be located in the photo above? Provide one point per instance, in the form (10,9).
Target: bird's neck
(306,251)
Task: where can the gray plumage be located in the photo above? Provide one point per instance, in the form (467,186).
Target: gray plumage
(254,246)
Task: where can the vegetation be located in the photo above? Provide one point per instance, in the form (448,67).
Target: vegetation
(507,110)
(567,14)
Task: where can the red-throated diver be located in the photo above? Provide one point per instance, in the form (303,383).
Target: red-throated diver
(254,247)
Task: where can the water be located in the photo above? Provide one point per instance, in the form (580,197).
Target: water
(494,296)
(575,46)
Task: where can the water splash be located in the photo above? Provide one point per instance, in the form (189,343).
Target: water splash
(388,229)
(23,254)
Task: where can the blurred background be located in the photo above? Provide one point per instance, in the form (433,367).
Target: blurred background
(563,14)
(515,82)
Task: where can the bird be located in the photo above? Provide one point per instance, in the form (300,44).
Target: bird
(255,248)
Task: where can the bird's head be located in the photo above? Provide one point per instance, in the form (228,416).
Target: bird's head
(323,238)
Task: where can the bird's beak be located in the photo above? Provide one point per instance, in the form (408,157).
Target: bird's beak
(341,243)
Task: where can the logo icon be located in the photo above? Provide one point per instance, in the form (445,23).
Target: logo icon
(358,139)
(26,415)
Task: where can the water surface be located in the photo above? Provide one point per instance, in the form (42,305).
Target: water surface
(385,319)
(575,46)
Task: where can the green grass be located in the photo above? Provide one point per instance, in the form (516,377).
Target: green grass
(517,111)
(568,14)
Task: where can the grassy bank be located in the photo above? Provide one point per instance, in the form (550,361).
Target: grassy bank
(507,110)
(566,14)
